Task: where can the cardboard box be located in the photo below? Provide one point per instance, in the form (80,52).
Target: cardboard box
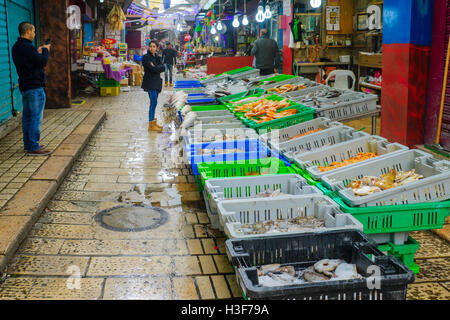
(91,67)
(124,82)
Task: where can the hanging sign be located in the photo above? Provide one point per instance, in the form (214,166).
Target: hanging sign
(374,20)
(333,18)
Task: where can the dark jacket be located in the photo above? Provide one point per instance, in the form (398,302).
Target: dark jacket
(266,53)
(152,79)
(29,64)
(169,56)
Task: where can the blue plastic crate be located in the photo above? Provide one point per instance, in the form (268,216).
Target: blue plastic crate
(197,94)
(137,58)
(253,149)
(187,82)
(200,100)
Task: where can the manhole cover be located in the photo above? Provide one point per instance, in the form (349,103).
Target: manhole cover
(131,218)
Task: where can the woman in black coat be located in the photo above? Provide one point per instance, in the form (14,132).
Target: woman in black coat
(152,82)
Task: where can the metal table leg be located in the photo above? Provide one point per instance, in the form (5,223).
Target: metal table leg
(374,125)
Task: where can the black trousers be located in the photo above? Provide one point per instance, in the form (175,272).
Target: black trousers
(266,72)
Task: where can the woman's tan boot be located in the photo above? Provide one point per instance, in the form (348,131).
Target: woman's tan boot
(154,127)
(156,124)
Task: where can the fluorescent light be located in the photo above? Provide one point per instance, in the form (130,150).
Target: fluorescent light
(245,20)
(260,15)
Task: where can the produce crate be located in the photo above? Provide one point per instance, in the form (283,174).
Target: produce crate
(215,79)
(231,125)
(190,90)
(279,78)
(109,91)
(217,190)
(196,136)
(318,140)
(252,149)
(253,92)
(289,132)
(299,94)
(303,250)
(295,80)
(311,160)
(103,82)
(234,213)
(200,100)
(213,113)
(209,107)
(303,114)
(405,253)
(266,166)
(387,223)
(210,120)
(240,70)
(245,74)
(346,105)
(435,186)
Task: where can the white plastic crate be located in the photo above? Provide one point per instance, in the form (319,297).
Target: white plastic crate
(342,151)
(245,75)
(319,140)
(214,80)
(295,95)
(285,134)
(213,113)
(346,105)
(435,186)
(206,126)
(225,119)
(237,212)
(292,150)
(196,136)
(217,190)
(296,80)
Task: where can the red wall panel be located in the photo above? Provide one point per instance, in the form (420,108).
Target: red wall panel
(217,65)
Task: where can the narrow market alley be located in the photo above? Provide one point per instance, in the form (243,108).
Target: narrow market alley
(70,255)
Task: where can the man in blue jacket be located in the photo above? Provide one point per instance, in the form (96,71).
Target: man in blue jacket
(30,63)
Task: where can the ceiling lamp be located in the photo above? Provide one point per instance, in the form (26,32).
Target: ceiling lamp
(213,30)
(268,13)
(219,25)
(235,20)
(244,19)
(260,15)
(316,3)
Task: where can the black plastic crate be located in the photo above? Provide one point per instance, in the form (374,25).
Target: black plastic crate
(304,250)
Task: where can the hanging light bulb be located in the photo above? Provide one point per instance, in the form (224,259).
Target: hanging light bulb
(245,20)
(260,15)
(316,3)
(219,26)
(268,13)
(213,30)
(235,20)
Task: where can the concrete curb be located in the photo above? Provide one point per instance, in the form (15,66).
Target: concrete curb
(24,209)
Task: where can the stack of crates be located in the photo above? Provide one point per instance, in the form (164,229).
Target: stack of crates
(108,87)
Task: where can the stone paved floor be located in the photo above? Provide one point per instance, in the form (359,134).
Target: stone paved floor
(182,259)
(15,166)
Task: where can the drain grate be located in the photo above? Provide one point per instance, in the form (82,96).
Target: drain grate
(131,218)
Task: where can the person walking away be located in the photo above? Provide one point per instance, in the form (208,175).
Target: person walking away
(267,54)
(169,59)
(30,63)
(152,82)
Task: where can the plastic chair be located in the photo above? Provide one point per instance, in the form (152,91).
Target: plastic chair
(341,81)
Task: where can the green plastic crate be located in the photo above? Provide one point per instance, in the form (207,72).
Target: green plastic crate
(240,70)
(103,82)
(270,97)
(279,78)
(199,183)
(240,168)
(258,92)
(404,252)
(209,108)
(307,176)
(398,218)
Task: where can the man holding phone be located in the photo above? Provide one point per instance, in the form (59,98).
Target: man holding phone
(30,63)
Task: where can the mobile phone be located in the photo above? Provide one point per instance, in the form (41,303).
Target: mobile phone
(48,41)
